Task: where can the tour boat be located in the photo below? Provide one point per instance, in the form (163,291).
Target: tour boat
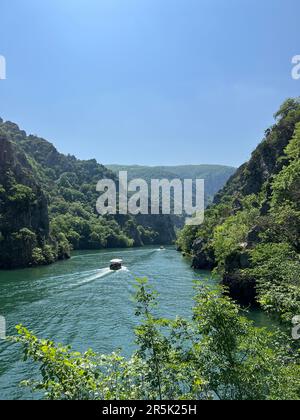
(116,265)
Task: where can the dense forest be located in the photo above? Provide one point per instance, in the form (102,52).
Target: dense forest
(251,233)
(47,204)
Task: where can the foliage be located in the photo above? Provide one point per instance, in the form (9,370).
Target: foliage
(237,360)
(232,234)
(276,268)
(217,355)
(38,257)
(20,195)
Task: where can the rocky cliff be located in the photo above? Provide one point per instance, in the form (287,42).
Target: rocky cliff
(24,221)
(251,233)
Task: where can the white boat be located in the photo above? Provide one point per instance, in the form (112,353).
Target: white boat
(116,265)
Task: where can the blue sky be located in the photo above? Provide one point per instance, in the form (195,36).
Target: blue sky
(149,81)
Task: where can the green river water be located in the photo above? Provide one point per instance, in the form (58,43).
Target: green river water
(82,303)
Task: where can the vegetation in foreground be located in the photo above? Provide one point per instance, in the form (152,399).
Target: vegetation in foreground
(219,354)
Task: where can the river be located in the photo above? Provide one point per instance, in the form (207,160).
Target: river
(82,303)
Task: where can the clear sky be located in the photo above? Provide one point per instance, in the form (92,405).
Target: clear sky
(148,81)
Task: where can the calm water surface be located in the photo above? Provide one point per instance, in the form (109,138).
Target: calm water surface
(82,303)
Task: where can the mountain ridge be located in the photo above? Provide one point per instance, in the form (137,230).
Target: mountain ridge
(214,175)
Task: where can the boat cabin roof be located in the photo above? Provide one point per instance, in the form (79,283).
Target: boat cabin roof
(116,261)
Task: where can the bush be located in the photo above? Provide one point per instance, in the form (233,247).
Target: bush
(38,257)
(276,268)
(49,254)
(232,234)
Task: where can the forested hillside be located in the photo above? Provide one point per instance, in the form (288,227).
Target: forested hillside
(47,205)
(215,176)
(251,232)
(24,221)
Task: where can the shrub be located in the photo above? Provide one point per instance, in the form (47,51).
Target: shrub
(38,257)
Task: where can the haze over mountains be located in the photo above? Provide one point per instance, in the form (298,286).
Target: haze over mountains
(215,176)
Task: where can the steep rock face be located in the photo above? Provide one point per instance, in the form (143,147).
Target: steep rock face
(240,288)
(163,225)
(24,222)
(203,258)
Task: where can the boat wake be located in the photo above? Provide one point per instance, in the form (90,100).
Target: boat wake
(98,274)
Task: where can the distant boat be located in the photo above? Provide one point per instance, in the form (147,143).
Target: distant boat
(162,248)
(116,265)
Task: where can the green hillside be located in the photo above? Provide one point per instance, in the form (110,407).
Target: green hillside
(47,205)
(251,232)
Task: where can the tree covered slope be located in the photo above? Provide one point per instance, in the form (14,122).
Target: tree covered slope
(251,234)
(47,205)
(24,220)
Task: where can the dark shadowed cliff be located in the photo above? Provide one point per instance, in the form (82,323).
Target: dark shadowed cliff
(24,221)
